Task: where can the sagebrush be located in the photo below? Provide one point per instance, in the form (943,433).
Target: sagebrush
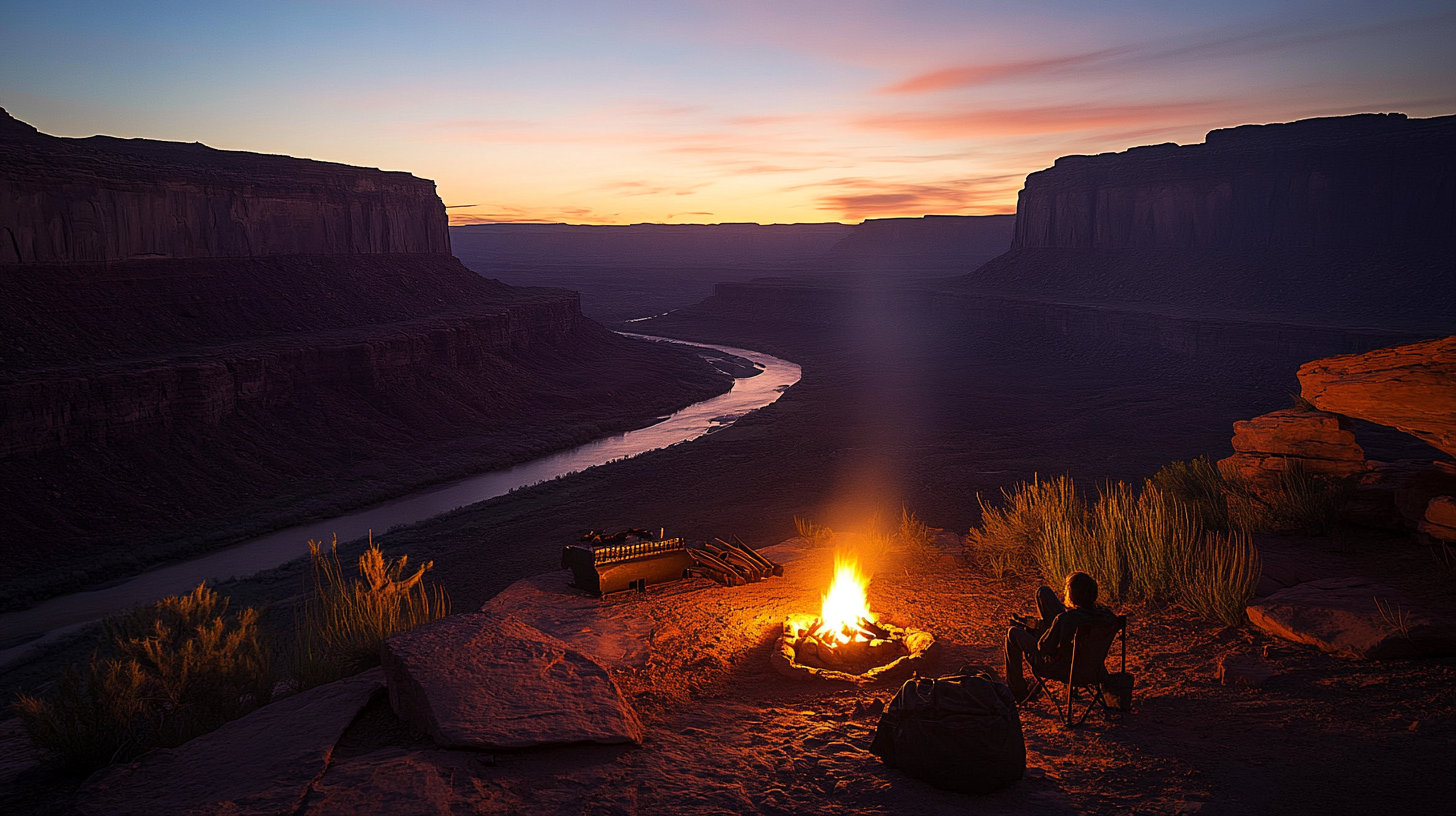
(176,669)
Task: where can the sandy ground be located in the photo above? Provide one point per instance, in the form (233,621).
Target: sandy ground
(727,734)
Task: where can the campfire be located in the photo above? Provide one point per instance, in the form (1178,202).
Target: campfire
(847,641)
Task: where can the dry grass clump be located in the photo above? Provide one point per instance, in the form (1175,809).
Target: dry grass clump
(1011,534)
(1141,545)
(816,534)
(1222,501)
(916,536)
(182,667)
(343,623)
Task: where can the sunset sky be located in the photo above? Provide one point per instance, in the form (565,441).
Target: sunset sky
(704,112)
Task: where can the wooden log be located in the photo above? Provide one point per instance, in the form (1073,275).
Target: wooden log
(748,567)
(734,578)
(737,545)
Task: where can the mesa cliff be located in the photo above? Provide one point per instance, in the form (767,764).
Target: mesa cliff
(203,345)
(107,199)
(1343,222)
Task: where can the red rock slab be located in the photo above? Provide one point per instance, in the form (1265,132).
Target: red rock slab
(263,763)
(1299,433)
(1352,617)
(485,681)
(1412,388)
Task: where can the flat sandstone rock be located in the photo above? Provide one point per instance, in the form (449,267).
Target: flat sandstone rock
(263,763)
(607,633)
(1352,617)
(488,681)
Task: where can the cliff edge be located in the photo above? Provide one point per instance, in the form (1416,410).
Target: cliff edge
(1339,222)
(199,346)
(107,199)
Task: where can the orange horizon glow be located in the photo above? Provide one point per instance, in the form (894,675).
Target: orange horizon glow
(736,111)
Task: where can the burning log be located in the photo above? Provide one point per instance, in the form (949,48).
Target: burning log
(846,642)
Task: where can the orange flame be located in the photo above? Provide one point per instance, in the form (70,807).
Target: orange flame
(845,604)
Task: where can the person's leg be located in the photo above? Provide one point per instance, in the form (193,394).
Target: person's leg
(1049,606)
(1019,641)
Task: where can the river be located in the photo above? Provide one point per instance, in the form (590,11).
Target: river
(59,615)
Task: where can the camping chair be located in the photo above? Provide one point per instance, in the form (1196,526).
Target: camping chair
(1088,672)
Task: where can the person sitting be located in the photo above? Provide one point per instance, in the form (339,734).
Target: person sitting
(1047,643)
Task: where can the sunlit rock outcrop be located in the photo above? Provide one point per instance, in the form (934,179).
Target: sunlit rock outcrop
(1412,388)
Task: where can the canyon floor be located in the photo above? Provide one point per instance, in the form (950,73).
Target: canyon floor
(727,734)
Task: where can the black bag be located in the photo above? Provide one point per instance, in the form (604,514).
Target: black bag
(960,733)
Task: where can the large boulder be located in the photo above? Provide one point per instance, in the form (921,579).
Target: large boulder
(1352,617)
(610,634)
(1412,388)
(263,763)
(489,681)
(1294,439)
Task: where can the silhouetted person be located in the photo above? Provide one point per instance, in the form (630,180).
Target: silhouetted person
(1048,645)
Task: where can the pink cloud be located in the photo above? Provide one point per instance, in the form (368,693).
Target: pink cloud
(992,123)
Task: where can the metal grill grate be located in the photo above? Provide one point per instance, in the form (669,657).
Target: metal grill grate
(611,553)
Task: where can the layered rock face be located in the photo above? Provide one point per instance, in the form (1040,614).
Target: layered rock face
(106,199)
(1366,180)
(198,346)
(1410,387)
(1343,222)
(1293,440)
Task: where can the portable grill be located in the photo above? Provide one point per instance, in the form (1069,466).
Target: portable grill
(631,563)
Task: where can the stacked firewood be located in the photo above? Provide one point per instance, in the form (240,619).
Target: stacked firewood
(731,563)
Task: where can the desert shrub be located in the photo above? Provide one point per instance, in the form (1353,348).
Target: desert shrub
(1012,535)
(1299,500)
(1202,488)
(344,621)
(1134,543)
(1146,545)
(916,536)
(182,667)
(816,534)
(1221,575)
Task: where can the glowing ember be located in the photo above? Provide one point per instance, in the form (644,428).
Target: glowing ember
(845,605)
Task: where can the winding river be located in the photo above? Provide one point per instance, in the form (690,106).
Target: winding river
(59,615)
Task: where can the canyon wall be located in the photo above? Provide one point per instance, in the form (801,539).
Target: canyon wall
(105,199)
(69,408)
(199,346)
(1346,222)
(1372,180)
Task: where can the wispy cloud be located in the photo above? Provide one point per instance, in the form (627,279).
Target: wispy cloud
(1192,49)
(996,123)
(857,198)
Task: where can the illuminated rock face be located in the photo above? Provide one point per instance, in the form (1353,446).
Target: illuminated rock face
(1313,442)
(1411,388)
(107,199)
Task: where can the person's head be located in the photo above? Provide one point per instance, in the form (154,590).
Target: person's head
(1081,590)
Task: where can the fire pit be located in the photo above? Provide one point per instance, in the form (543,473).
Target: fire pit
(846,641)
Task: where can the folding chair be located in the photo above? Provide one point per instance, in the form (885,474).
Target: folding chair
(1091,643)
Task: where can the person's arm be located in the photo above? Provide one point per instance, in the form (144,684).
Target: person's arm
(1051,639)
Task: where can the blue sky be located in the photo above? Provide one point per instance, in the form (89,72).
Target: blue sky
(706,112)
